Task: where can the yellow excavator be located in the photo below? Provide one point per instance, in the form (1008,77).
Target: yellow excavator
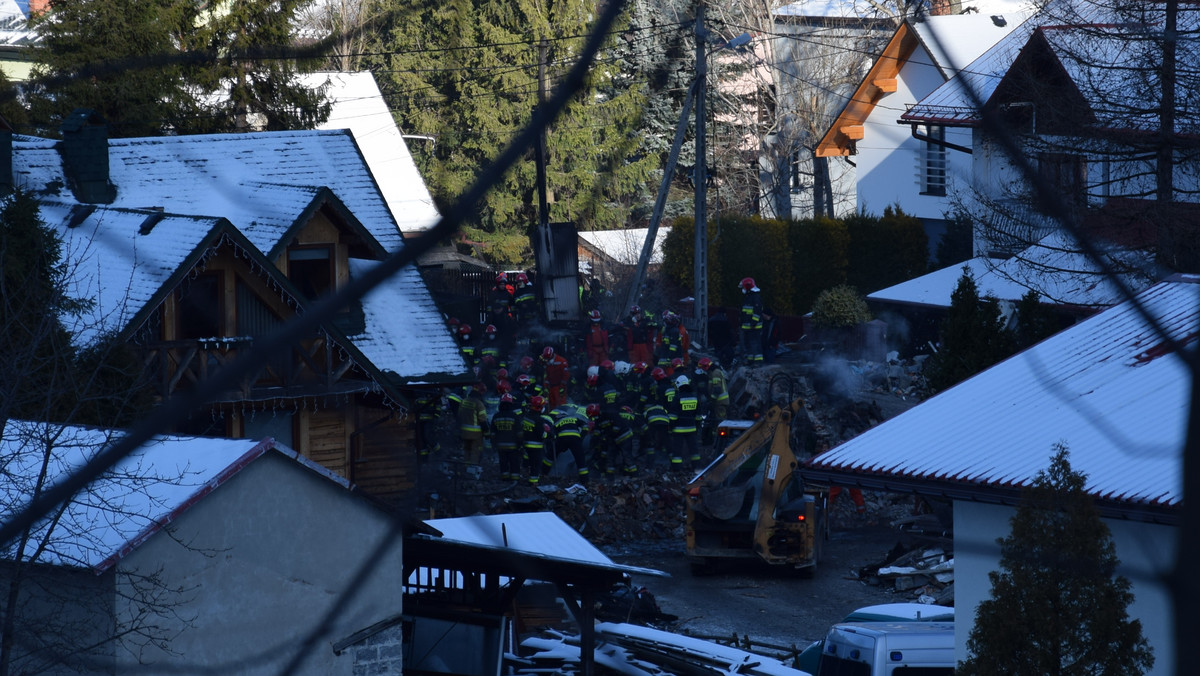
(751,502)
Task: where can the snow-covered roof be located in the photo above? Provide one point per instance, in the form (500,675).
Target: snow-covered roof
(955,102)
(625,246)
(257,181)
(1109,388)
(934,288)
(359,106)
(404,333)
(13,24)
(955,40)
(540,534)
(1054,267)
(262,183)
(119,266)
(114,515)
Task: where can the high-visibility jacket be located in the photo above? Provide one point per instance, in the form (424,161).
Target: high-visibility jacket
(472,417)
(684,412)
(752,311)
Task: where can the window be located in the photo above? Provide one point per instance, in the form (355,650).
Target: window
(310,268)
(932,165)
(794,171)
(199,308)
(1067,172)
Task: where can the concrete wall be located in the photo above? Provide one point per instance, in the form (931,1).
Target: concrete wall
(1146,552)
(265,556)
(63,621)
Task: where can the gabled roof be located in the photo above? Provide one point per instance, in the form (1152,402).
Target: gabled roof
(125,260)
(113,516)
(262,186)
(260,179)
(951,42)
(358,105)
(1109,388)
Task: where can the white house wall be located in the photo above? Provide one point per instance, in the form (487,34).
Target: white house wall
(1146,551)
(270,551)
(888,156)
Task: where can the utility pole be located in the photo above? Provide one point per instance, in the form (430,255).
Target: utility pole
(700,264)
(540,150)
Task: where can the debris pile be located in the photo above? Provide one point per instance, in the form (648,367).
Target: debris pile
(922,573)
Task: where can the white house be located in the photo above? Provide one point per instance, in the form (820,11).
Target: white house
(194,555)
(1075,92)
(1111,389)
(895,165)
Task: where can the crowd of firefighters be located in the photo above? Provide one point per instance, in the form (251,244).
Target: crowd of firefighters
(624,396)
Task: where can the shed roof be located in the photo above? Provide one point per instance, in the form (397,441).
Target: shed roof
(1054,267)
(537,535)
(116,514)
(1109,388)
(625,246)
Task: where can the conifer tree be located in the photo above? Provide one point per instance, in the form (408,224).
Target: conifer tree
(973,336)
(466,73)
(152,67)
(1057,605)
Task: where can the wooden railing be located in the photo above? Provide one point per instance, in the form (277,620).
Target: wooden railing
(311,367)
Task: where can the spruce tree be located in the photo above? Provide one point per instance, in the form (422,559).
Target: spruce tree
(153,67)
(973,337)
(1057,605)
(466,73)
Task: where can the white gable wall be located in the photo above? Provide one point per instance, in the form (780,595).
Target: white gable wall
(889,158)
(1147,552)
(270,551)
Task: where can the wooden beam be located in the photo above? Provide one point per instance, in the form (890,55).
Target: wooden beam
(854,132)
(885,84)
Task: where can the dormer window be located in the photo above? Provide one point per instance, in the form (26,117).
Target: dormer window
(310,268)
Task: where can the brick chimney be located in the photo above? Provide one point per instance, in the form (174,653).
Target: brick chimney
(37,7)
(944,7)
(84,151)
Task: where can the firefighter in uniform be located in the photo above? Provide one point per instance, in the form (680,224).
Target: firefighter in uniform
(752,322)
(535,437)
(506,438)
(685,432)
(472,424)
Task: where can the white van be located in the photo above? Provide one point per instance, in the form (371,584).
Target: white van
(888,649)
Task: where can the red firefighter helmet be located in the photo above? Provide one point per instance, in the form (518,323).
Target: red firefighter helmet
(507,398)
(464,330)
(640,367)
(522,278)
(479,387)
(607,365)
(593,410)
(705,363)
(537,403)
(502,373)
(526,363)
(594,315)
(502,278)
(503,386)
(658,373)
(592,379)
(676,363)
(490,329)
(547,353)
(452,322)
(524,380)
(747,284)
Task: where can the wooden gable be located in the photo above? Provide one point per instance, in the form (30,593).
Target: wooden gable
(848,128)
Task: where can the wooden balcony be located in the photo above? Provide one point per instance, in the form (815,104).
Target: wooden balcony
(311,367)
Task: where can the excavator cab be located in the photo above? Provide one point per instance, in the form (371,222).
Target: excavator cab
(752,503)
